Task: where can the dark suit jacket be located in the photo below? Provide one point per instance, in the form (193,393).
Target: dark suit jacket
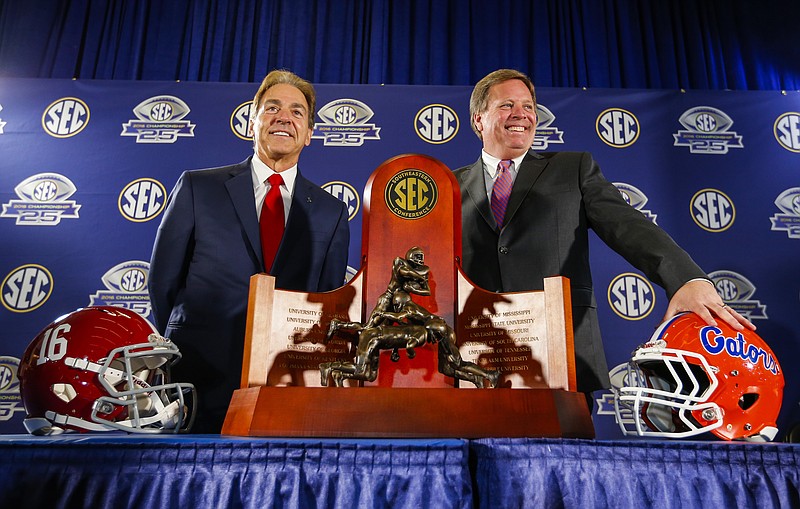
(557,197)
(206,249)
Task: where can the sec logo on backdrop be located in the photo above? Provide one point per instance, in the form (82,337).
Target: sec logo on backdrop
(712,210)
(65,117)
(142,200)
(631,296)
(26,288)
(436,123)
(617,128)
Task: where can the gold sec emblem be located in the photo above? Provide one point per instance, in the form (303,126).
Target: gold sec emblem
(411,194)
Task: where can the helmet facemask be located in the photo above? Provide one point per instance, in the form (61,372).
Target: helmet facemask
(665,390)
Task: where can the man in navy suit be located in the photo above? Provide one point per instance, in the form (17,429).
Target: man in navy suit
(555,198)
(209,244)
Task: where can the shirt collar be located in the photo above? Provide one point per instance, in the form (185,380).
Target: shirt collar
(261,172)
(490,163)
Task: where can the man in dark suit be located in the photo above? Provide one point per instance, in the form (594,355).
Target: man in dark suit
(531,219)
(209,244)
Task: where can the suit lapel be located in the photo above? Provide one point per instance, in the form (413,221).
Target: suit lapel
(301,201)
(299,214)
(240,189)
(475,185)
(529,171)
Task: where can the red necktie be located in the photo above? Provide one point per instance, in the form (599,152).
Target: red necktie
(501,190)
(272,221)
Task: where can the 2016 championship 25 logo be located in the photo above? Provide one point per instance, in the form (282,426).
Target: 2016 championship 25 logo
(345,124)
(159,119)
(789,221)
(635,198)
(43,201)
(707,131)
(737,291)
(546,132)
(2,124)
(126,287)
(10,399)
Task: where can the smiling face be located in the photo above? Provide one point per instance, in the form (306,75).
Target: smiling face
(508,124)
(280,126)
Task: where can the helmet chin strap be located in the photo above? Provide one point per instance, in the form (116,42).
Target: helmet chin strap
(765,435)
(66,420)
(41,427)
(169,416)
(155,410)
(112,375)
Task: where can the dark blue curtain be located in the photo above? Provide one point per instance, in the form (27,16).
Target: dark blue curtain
(691,44)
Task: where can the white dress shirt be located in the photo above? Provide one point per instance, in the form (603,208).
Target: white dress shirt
(260,173)
(490,170)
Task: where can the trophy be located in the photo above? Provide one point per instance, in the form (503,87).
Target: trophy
(409,338)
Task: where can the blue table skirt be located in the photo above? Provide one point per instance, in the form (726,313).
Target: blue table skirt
(524,473)
(217,472)
(198,471)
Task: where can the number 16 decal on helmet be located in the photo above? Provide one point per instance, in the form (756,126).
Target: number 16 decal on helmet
(692,378)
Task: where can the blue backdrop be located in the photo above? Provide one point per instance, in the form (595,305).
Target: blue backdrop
(85,167)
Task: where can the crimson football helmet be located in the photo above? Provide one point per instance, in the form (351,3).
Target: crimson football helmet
(692,378)
(99,369)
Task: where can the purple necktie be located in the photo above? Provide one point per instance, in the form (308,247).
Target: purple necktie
(501,190)
(272,221)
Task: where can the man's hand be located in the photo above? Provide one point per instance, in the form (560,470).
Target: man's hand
(700,297)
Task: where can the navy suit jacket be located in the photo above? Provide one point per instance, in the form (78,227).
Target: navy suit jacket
(556,198)
(207,248)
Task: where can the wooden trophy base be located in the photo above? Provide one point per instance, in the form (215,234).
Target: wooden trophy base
(378,412)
